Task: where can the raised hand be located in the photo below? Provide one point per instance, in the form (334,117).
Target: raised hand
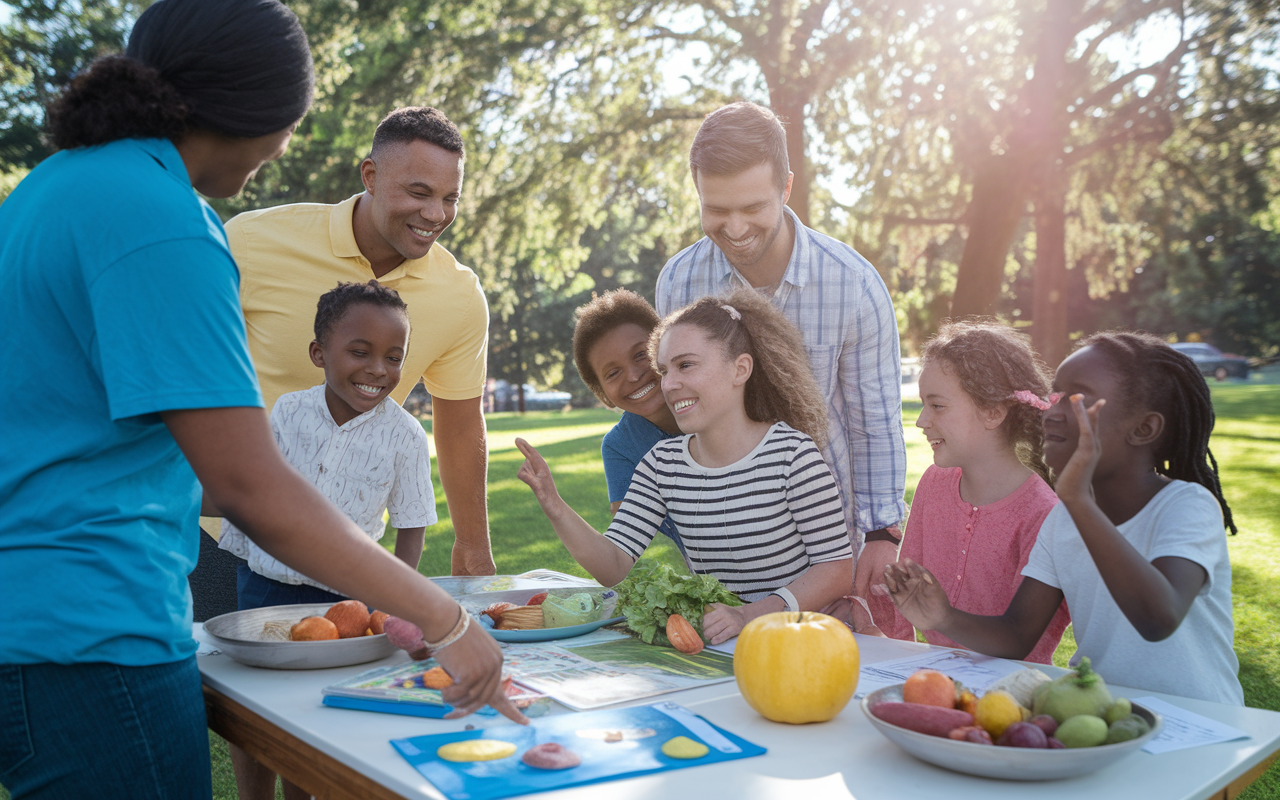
(535,472)
(917,594)
(1076,480)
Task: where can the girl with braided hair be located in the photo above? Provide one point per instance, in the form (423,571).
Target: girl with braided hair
(1136,546)
(976,511)
(755,504)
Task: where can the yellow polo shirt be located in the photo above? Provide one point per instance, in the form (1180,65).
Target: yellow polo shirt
(290,255)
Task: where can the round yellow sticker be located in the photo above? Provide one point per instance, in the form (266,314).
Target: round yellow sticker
(684,747)
(476,750)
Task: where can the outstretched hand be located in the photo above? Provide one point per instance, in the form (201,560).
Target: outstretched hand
(1076,479)
(535,472)
(917,594)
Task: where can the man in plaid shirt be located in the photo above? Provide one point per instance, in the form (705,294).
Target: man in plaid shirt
(832,294)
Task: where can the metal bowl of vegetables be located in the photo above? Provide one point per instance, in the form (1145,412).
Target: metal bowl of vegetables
(1006,763)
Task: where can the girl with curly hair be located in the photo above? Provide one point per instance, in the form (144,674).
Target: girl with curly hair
(976,511)
(756,505)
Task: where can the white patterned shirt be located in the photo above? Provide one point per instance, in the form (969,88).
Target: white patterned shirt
(379,461)
(756,524)
(843,310)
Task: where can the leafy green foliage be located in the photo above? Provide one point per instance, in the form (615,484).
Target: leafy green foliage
(655,591)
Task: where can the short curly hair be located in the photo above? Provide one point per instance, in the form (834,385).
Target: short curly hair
(781,386)
(598,319)
(418,124)
(993,361)
(334,304)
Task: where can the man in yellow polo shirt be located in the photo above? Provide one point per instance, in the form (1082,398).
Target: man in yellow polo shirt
(290,255)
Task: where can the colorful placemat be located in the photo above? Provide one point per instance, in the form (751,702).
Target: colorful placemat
(613,744)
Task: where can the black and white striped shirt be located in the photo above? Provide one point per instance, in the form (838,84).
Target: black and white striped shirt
(756,525)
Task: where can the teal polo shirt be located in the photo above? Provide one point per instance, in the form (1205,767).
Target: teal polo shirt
(119,299)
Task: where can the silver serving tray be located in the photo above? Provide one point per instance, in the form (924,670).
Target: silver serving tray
(239,635)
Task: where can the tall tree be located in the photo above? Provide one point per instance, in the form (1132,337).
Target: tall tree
(44,43)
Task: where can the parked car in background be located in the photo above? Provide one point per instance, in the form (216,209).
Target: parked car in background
(505,397)
(1213,361)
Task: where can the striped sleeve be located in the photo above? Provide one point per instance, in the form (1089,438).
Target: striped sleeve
(815,505)
(642,510)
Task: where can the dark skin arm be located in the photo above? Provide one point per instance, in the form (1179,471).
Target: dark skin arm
(1012,635)
(1153,595)
(409,546)
(463,460)
(243,473)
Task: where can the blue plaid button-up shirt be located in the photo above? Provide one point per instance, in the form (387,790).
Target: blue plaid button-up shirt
(842,308)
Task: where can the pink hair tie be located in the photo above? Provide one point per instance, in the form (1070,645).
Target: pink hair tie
(733,313)
(1033,400)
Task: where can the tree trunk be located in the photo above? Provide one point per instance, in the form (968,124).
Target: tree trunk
(999,200)
(1002,184)
(791,109)
(1049,307)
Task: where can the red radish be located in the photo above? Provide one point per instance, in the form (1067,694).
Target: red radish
(537,599)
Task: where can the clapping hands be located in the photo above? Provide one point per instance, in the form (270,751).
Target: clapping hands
(917,594)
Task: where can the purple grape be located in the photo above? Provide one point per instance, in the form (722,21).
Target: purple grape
(1023,734)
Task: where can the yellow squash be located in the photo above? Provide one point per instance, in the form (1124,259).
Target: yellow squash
(796,666)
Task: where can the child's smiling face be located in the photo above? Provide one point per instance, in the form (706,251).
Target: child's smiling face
(956,428)
(1088,372)
(620,360)
(362,357)
(700,383)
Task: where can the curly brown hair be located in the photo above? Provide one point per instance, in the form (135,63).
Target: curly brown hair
(597,319)
(992,361)
(781,386)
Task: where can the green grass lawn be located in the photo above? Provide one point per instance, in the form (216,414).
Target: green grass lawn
(1246,443)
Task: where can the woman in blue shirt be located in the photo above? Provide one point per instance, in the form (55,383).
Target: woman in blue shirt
(119,305)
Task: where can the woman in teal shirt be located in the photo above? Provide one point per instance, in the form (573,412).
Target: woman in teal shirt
(119,305)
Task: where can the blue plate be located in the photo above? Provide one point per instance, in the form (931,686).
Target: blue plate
(549,634)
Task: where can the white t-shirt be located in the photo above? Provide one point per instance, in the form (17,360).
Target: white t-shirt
(379,461)
(1182,520)
(756,524)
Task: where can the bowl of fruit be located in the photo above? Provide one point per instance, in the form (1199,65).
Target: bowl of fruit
(1025,727)
(311,636)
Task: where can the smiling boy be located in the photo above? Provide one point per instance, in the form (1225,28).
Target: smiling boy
(350,438)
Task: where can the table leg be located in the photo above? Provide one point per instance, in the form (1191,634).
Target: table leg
(316,772)
(1240,784)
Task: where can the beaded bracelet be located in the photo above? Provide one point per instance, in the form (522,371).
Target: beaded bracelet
(464,622)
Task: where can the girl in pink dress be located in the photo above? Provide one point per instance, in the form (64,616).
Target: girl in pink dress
(976,511)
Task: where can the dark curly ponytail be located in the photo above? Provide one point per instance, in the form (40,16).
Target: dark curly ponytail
(240,68)
(115,98)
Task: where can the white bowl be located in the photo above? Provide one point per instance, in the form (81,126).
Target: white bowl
(1007,763)
(239,635)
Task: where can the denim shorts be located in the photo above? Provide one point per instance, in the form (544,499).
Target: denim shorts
(103,731)
(257,591)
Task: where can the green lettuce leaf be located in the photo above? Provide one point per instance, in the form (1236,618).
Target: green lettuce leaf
(654,591)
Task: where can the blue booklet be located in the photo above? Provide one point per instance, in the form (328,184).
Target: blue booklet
(402,689)
(612,744)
